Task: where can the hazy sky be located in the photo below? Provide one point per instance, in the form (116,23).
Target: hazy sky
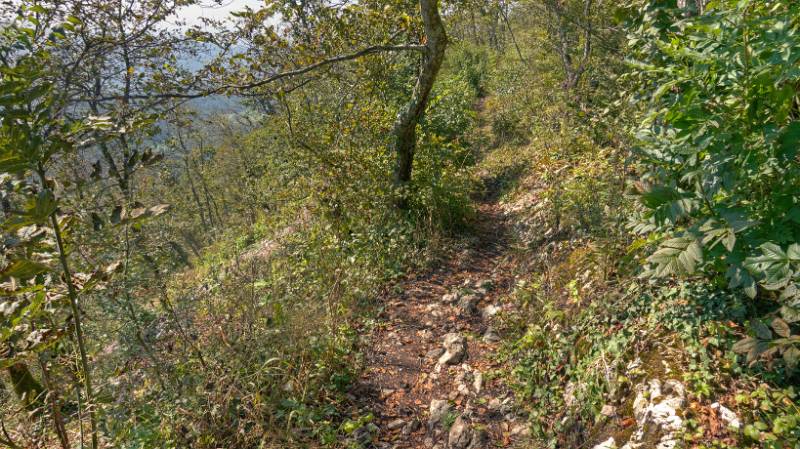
(215,9)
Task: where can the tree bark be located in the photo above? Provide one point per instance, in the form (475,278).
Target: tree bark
(404,131)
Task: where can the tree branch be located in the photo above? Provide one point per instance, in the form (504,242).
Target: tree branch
(276,77)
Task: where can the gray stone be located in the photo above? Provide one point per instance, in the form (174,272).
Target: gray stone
(569,395)
(396,424)
(658,409)
(607,444)
(727,415)
(521,430)
(608,410)
(477,382)
(434,353)
(490,311)
(455,348)
(480,439)
(460,434)
(491,336)
(411,427)
(450,298)
(468,305)
(438,409)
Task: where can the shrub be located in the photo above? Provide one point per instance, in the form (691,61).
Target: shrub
(718,147)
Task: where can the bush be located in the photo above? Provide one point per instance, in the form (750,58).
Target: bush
(718,148)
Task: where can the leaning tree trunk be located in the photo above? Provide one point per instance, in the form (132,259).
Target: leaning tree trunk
(404,132)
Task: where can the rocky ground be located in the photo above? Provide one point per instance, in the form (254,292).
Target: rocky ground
(428,380)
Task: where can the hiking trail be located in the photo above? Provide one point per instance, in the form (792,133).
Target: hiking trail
(428,378)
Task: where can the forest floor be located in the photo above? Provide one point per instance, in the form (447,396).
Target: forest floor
(430,377)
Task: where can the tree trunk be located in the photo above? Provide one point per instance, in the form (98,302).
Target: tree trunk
(405,125)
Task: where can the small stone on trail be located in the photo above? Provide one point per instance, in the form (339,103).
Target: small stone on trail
(634,364)
(434,353)
(490,311)
(608,410)
(480,439)
(438,409)
(395,424)
(607,444)
(491,336)
(450,298)
(411,427)
(455,347)
(385,393)
(460,434)
(521,430)
(468,305)
(477,383)
(727,415)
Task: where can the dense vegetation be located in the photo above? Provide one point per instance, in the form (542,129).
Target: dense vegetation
(175,273)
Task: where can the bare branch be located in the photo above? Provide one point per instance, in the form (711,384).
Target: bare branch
(277,77)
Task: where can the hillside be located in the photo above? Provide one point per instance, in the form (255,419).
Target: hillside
(400,225)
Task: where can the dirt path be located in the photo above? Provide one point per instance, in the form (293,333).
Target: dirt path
(422,397)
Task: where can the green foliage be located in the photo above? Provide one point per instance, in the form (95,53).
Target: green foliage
(718,143)
(30,138)
(473,63)
(775,415)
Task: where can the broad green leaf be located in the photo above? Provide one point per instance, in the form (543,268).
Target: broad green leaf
(790,314)
(793,252)
(13,164)
(781,327)
(761,330)
(744,345)
(677,256)
(23,269)
(791,356)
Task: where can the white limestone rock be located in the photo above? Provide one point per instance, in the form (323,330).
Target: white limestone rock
(455,349)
